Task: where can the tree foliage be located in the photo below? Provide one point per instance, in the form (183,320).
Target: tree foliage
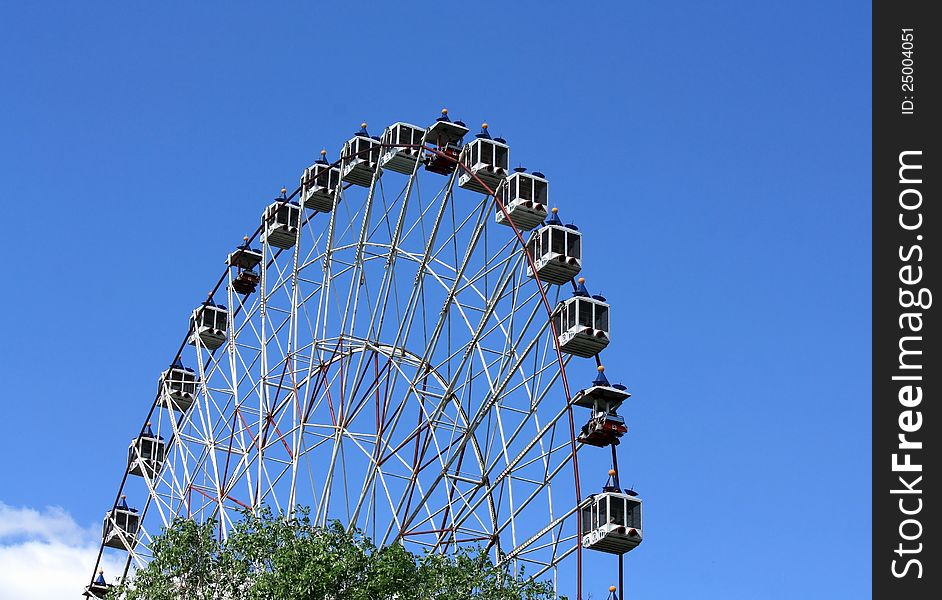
(273,557)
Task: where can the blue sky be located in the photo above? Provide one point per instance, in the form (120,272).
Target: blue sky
(716,156)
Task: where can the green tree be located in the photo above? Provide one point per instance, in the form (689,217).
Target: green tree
(273,557)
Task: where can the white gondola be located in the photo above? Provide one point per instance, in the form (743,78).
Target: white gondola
(99,588)
(319,184)
(447,137)
(208,324)
(611,522)
(177,387)
(582,323)
(556,251)
(280,223)
(359,157)
(487,160)
(245,261)
(119,529)
(525,198)
(402,147)
(146,454)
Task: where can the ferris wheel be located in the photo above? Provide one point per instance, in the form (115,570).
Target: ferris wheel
(390,349)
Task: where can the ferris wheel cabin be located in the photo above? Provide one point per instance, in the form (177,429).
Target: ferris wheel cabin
(99,588)
(402,147)
(208,325)
(245,260)
(177,387)
(611,522)
(487,160)
(447,137)
(280,223)
(119,529)
(556,251)
(604,427)
(582,324)
(359,157)
(524,198)
(319,184)
(146,454)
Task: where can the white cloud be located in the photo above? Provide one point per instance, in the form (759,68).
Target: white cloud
(46,555)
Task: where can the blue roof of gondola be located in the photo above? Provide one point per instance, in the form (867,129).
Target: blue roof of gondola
(520,169)
(282,200)
(601,379)
(178,364)
(620,387)
(539,174)
(460,123)
(599,297)
(483,134)
(500,140)
(571,226)
(210,303)
(362,132)
(554,219)
(150,433)
(581,291)
(100,580)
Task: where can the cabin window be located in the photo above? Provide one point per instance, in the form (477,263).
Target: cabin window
(532,248)
(544,240)
(183,381)
(150,450)
(601,317)
(213,317)
(558,241)
(286,214)
(327,177)
(539,191)
(585,314)
(616,510)
(573,244)
(524,188)
(126,522)
(146,449)
(588,522)
(633,514)
(373,146)
(487,152)
(500,157)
